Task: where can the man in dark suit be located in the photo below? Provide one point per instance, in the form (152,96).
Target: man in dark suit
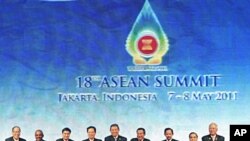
(39,135)
(213,136)
(16,132)
(141,132)
(91,130)
(114,130)
(169,132)
(65,135)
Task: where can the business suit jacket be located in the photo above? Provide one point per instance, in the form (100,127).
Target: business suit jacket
(111,138)
(135,139)
(171,140)
(209,138)
(11,139)
(62,139)
(94,140)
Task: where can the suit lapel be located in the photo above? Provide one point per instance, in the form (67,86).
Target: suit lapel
(119,138)
(210,138)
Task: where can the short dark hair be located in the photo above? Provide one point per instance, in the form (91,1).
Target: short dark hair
(93,127)
(39,130)
(16,127)
(114,125)
(66,129)
(166,129)
(193,133)
(144,131)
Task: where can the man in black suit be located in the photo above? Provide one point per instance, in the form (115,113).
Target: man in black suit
(39,135)
(169,132)
(16,132)
(91,130)
(65,135)
(114,130)
(213,136)
(141,132)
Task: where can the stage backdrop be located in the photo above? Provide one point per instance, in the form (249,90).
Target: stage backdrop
(139,63)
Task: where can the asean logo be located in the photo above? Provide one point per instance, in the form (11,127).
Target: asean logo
(147,43)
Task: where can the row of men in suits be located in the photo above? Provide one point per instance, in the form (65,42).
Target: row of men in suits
(115,136)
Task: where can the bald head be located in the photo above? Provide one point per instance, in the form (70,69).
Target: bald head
(213,128)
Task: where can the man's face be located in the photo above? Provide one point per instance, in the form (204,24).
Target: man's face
(193,137)
(91,133)
(16,133)
(38,135)
(168,134)
(213,129)
(140,134)
(114,131)
(66,135)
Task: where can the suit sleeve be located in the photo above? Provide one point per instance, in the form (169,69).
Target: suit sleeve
(222,139)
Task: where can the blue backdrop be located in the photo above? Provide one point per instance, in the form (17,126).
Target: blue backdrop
(45,46)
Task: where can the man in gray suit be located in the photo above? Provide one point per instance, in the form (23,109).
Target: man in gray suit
(16,132)
(213,136)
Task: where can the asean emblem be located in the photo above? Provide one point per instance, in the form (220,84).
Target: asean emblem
(147,43)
